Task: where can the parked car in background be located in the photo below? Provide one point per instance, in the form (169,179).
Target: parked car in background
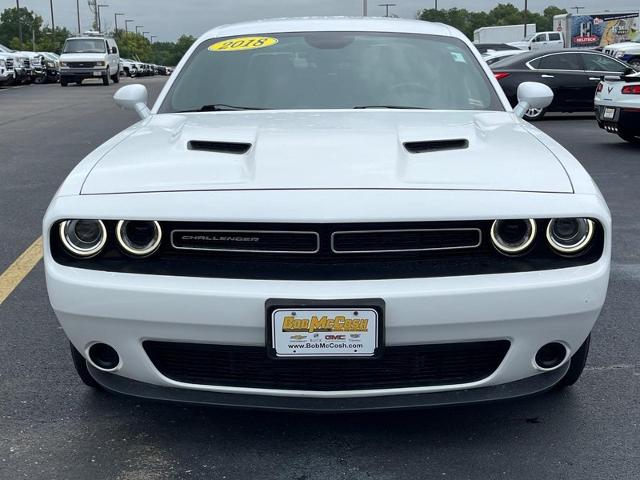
(22,65)
(89,56)
(617,104)
(8,74)
(572,74)
(492,47)
(547,41)
(628,52)
(492,57)
(51,67)
(128,67)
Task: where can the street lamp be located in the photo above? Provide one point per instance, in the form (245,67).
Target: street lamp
(78,13)
(98,7)
(126,25)
(387,5)
(115,18)
(19,22)
(53,23)
(137,27)
(152,37)
(144,34)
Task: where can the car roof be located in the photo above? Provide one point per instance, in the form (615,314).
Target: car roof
(523,58)
(340,24)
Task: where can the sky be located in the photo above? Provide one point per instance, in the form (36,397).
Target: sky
(168,19)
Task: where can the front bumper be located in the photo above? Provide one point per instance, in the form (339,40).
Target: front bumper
(528,309)
(82,73)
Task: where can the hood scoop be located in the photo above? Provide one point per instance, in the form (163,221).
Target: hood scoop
(436,145)
(219,147)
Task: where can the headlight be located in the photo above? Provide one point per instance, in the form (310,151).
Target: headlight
(51,65)
(100,64)
(83,238)
(2,64)
(512,237)
(619,54)
(139,238)
(64,64)
(570,235)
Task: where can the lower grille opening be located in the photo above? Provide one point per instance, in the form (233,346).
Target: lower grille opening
(398,367)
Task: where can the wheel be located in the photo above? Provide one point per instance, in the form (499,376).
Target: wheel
(105,79)
(534,114)
(629,137)
(39,80)
(116,77)
(576,366)
(81,367)
(63,83)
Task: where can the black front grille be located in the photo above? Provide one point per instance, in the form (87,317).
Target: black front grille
(9,63)
(398,367)
(405,240)
(81,64)
(257,241)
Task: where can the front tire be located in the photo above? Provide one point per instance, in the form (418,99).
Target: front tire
(534,114)
(116,77)
(105,79)
(80,364)
(576,367)
(63,83)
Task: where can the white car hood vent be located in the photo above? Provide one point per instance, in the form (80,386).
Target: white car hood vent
(328,149)
(220,147)
(436,145)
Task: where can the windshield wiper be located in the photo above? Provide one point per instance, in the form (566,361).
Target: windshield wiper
(395,107)
(219,107)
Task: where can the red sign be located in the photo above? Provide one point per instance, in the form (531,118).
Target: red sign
(586,39)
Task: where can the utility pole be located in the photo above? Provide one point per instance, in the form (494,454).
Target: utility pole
(436,6)
(126,25)
(365,7)
(98,7)
(387,5)
(53,23)
(115,18)
(525,19)
(19,22)
(78,12)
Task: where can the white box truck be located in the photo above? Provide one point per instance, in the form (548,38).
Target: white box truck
(503,33)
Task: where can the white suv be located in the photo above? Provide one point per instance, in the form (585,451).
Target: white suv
(89,56)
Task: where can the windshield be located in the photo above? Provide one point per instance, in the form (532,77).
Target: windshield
(332,70)
(5,49)
(84,45)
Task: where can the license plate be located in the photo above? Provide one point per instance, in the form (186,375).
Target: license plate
(97,74)
(325,332)
(609,113)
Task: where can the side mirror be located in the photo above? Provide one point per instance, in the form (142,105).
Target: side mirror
(133,97)
(532,95)
(114,50)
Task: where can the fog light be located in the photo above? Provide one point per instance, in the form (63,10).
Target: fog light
(570,235)
(512,237)
(551,356)
(139,238)
(83,238)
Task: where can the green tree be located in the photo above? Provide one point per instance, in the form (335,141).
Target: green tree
(9,29)
(134,46)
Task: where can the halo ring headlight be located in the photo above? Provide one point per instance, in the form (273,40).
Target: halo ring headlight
(570,235)
(512,237)
(83,238)
(139,238)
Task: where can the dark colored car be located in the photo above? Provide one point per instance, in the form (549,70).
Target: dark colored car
(496,47)
(573,75)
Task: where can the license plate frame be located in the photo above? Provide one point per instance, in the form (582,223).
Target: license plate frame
(97,74)
(609,113)
(273,305)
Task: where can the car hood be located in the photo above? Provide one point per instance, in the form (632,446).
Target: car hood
(359,149)
(624,46)
(82,57)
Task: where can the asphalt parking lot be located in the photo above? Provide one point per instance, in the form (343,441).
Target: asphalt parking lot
(52,427)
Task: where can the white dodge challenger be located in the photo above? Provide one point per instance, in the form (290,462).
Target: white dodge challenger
(329,214)
(617,105)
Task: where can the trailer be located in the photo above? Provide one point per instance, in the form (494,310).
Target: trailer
(504,33)
(598,29)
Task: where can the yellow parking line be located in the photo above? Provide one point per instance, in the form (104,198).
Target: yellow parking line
(19,269)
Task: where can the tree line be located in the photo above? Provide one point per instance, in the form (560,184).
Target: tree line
(503,14)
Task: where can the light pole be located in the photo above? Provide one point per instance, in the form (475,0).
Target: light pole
(152,37)
(364,7)
(436,5)
(126,25)
(78,13)
(387,5)
(98,7)
(137,27)
(578,9)
(525,19)
(144,34)
(115,18)
(53,23)
(19,22)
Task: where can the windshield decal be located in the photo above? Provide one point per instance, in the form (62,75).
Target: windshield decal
(243,43)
